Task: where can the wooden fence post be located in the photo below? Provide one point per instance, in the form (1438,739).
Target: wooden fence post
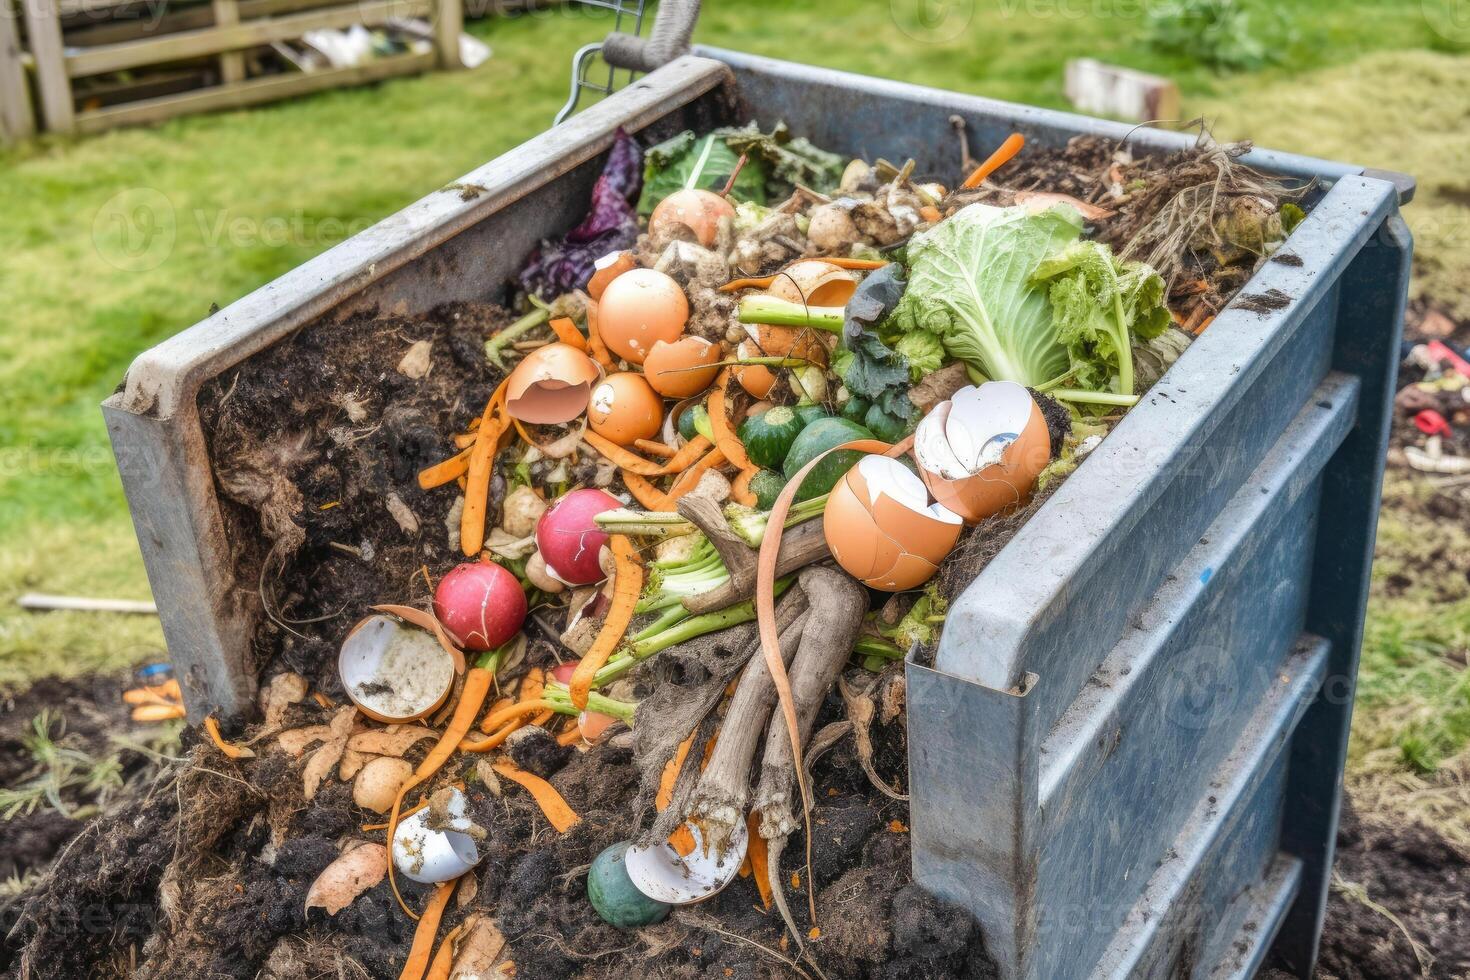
(43,28)
(448,24)
(17,122)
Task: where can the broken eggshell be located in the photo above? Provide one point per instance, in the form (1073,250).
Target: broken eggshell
(639,308)
(431,856)
(394,672)
(624,408)
(608,268)
(551,385)
(813,282)
(883,530)
(981,451)
(659,871)
(683,368)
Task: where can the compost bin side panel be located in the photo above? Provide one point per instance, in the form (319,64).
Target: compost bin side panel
(1173,698)
(972,787)
(206,620)
(1370,330)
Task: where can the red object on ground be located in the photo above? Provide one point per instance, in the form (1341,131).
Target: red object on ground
(1431,423)
(1445,353)
(480,604)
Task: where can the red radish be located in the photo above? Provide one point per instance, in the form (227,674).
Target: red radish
(562,673)
(569,539)
(480,604)
(592,724)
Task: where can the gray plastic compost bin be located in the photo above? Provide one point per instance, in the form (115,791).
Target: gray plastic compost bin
(1126,755)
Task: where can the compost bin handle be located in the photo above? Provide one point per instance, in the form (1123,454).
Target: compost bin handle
(673,26)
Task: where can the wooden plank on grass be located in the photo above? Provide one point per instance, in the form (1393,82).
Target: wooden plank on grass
(215,40)
(252,92)
(43,29)
(16,120)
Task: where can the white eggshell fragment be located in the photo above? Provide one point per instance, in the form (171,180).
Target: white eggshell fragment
(661,874)
(432,856)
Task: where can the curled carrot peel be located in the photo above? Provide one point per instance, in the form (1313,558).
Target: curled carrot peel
(228,748)
(571,736)
(750,282)
(560,815)
(842,263)
(765,608)
(1002,156)
(444,959)
(482,461)
(531,687)
(756,854)
(740,490)
(628,461)
(690,478)
(596,347)
(566,331)
(719,421)
(627,584)
(423,936)
(654,448)
(496,719)
(650,496)
(448,471)
(477,684)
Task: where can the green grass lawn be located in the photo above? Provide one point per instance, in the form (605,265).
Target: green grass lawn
(243,197)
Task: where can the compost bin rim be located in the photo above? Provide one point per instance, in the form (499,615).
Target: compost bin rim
(991,624)
(165,379)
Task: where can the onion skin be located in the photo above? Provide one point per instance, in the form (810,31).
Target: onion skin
(569,539)
(480,605)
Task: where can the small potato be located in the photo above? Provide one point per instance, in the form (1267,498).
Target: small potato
(522,509)
(378,783)
(538,576)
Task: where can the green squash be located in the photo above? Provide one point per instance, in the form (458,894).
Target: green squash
(767,486)
(768,436)
(885,426)
(614,896)
(815,439)
(855,408)
(810,413)
(694,421)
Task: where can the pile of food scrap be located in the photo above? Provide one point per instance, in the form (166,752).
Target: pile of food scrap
(643,704)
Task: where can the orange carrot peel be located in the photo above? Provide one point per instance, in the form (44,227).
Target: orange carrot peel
(1002,156)
(627,585)
(596,347)
(423,936)
(444,959)
(230,749)
(566,331)
(558,813)
(493,424)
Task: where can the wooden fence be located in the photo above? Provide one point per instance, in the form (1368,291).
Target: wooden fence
(64,46)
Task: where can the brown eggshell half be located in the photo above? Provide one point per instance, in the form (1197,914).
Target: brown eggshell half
(608,268)
(850,531)
(813,282)
(1001,485)
(908,572)
(865,532)
(551,385)
(639,307)
(682,369)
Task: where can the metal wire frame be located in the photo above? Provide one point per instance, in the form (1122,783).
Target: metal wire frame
(583,61)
